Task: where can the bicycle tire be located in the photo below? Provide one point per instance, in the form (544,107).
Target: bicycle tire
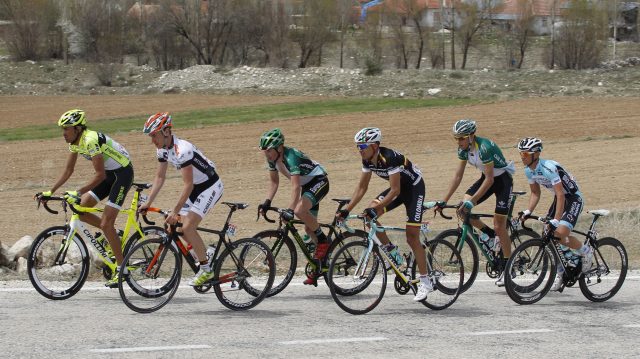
(468,254)
(610,259)
(285,255)
(244,280)
(337,243)
(145,292)
(447,267)
(133,240)
(47,276)
(532,269)
(339,277)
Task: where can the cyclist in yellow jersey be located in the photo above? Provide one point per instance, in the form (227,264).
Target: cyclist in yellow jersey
(113,176)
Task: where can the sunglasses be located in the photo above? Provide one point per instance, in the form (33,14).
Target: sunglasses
(460,138)
(363,146)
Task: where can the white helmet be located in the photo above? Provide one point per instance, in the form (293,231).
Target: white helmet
(368,135)
(530,144)
(464,127)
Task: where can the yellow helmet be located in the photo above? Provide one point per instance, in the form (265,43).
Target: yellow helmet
(72,118)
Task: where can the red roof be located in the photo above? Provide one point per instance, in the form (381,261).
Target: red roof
(540,7)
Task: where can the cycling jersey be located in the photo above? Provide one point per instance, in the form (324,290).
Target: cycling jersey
(388,162)
(294,162)
(548,173)
(484,151)
(94,143)
(182,154)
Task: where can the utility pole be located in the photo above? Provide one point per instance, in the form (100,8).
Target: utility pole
(444,62)
(553,35)
(615,26)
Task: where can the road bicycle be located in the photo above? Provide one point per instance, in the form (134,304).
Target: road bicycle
(466,239)
(150,274)
(363,280)
(59,261)
(282,241)
(534,264)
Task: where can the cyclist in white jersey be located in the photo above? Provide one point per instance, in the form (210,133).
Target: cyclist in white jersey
(201,191)
(567,202)
(113,177)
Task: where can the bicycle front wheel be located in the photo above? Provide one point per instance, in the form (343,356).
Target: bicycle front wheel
(468,254)
(362,281)
(610,262)
(345,260)
(150,275)
(530,272)
(445,268)
(285,256)
(58,265)
(244,274)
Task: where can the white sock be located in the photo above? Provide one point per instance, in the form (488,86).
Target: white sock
(205,267)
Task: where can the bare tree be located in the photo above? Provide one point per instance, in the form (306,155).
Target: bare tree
(31,23)
(345,12)
(582,37)
(314,29)
(521,29)
(472,20)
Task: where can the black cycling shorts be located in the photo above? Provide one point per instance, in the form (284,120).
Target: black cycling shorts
(501,187)
(116,186)
(573,204)
(315,190)
(412,198)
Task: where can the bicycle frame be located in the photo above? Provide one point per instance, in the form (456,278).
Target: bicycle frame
(76,225)
(374,241)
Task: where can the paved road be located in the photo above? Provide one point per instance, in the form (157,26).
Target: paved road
(305,322)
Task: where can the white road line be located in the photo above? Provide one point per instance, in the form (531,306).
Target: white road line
(631,326)
(499,332)
(149,349)
(337,340)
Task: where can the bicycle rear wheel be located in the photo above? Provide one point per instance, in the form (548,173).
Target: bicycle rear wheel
(150,275)
(446,270)
(530,272)
(363,281)
(284,255)
(610,262)
(468,254)
(244,274)
(58,265)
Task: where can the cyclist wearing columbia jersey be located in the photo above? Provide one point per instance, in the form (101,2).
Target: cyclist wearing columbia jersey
(496,179)
(113,176)
(406,187)
(309,185)
(567,202)
(202,187)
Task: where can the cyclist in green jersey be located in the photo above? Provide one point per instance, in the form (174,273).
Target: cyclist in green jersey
(113,176)
(309,185)
(496,179)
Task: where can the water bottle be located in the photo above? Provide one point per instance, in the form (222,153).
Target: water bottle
(572,258)
(486,240)
(308,241)
(211,250)
(496,244)
(392,250)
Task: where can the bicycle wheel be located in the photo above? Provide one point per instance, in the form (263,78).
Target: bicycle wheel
(468,254)
(285,257)
(244,274)
(57,265)
(150,275)
(345,260)
(604,281)
(446,270)
(149,232)
(365,279)
(532,269)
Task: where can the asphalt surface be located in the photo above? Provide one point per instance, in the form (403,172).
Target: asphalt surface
(304,322)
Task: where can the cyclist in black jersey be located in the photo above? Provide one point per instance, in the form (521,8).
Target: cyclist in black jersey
(113,177)
(202,187)
(309,185)
(406,188)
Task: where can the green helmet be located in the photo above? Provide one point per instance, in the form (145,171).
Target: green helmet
(271,139)
(72,118)
(464,127)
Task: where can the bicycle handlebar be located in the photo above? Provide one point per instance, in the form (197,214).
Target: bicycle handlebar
(433,204)
(534,217)
(264,213)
